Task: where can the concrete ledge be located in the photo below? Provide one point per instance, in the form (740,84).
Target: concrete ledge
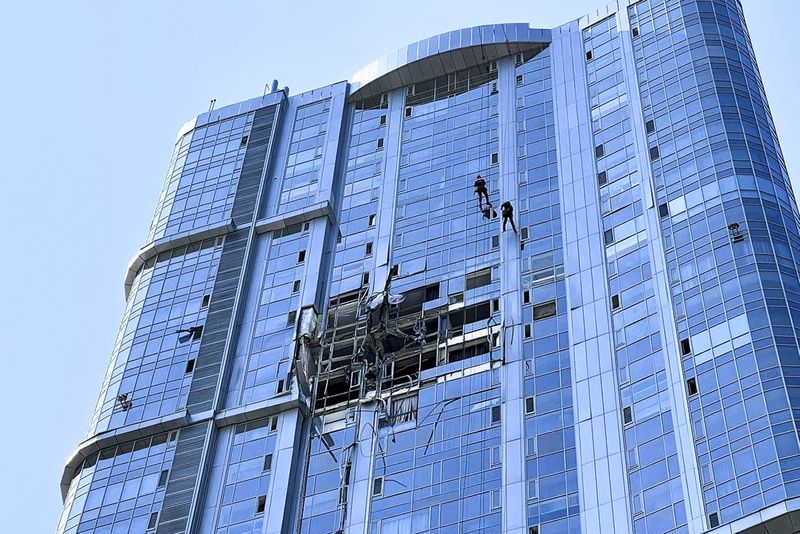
(182,419)
(257,410)
(115,437)
(174,241)
(780,518)
(309,213)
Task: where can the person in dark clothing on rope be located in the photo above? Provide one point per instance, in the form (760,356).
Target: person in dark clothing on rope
(481,191)
(507,211)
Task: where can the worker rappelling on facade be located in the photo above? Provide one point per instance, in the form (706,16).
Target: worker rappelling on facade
(483,192)
(507,211)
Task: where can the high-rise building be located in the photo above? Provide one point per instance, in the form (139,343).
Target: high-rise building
(329,331)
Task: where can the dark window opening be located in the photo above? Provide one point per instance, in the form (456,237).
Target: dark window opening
(244,140)
(686,347)
(471,314)
(713,519)
(615,302)
(495,241)
(190,366)
(635,31)
(365,279)
(650,126)
(261,505)
(380,143)
(267,462)
(371,220)
(654,153)
(526,297)
(479,278)
(523,233)
(494,89)
(273,424)
(383,120)
(395,270)
(368,248)
(627,415)
(496,414)
(520,79)
(530,405)
(495,158)
(206,300)
(691,386)
(290,318)
(467,352)
(602,178)
(663,210)
(589,55)
(153,521)
(334,390)
(377,486)
(296,286)
(162,478)
(431,292)
(544,310)
(306,226)
(401,409)
(281,386)
(301,256)
(527,331)
(197,332)
(608,236)
(409,111)
(599,151)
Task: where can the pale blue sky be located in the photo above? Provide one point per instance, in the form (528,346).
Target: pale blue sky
(94,94)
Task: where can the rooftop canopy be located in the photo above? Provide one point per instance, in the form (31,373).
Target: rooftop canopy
(443,54)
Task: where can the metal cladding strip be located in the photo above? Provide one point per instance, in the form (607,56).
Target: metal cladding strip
(179,495)
(512,389)
(218,322)
(601,469)
(333,140)
(388,200)
(323,222)
(359,499)
(231,272)
(284,484)
(359,496)
(231,278)
(287,481)
(690,472)
(255,161)
(261,170)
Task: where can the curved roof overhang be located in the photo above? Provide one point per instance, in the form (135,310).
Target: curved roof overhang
(443,54)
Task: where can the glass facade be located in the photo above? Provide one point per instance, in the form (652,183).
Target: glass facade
(333,328)
(650,447)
